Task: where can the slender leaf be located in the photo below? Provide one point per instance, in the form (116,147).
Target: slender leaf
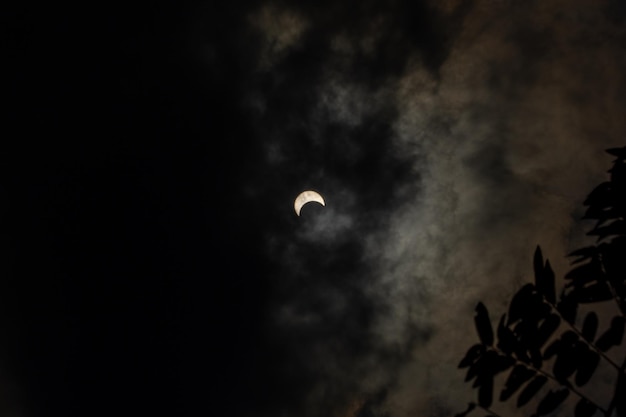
(619,152)
(538,263)
(522,355)
(618,175)
(519,303)
(603,216)
(481,377)
(551,401)
(613,336)
(584,253)
(544,277)
(506,339)
(547,329)
(569,337)
(599,212)
(583,274)
(590,326)
(474,369)
(537,309)
(584,408)
(587,364)
(566,361)
(594,293)
(548,287)
(553,349)
(526,330)
(517,377)
(568,307)
(618,323)
(616,228)
(491,364)
(485,393)
(530,390)
(483,324)
(502,363)
(600,196)
(472,354)
(535,357)
(564,366)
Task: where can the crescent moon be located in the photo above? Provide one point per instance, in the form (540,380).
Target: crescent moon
(307,197)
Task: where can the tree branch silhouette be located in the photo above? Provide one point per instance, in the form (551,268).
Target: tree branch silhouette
(536,316)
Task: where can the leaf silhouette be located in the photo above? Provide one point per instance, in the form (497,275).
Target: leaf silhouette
(587,364)
(547,329)
(596,210)
(584,408)
(474,369)
(544,277)
(590,326)
(506,339)
(619,152)
(530,390)
(527,350)
(613,336)
(483,324)
(568,307)
(487,365)
(535,357)
(492,363)
(566,351)
(518,376)
(583,253)
(551,401)
(594,293)
(522,355)
(472,354)
(547,283)
(600,196)
(584,274)
(502,363)
(616,228)
(601,214)
(553,349)
(485,393)
(618,324)
(618,173)
(565,366)
(519,303)
(557,346)
(538,261)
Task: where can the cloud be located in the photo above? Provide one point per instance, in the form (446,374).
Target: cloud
(281,29)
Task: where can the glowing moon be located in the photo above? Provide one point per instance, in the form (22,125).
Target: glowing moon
(307,197)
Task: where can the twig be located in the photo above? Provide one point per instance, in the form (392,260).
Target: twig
(581,337)
(553,378)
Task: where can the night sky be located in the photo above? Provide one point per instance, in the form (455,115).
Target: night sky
(152,263)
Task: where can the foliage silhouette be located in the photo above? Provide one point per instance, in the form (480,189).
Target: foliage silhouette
(540,342)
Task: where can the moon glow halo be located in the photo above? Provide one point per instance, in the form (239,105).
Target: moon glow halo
(307,197)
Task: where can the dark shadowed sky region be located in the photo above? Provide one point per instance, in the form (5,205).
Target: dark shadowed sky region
(153,264)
